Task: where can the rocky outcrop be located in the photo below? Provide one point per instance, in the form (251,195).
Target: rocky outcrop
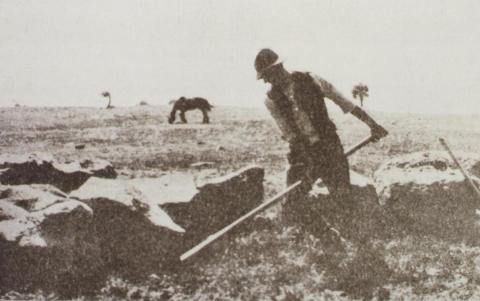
(46,239)
(222,200)
(44,169)
(127,227)
(144,225)
(427,194)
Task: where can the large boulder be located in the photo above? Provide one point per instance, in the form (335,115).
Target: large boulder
(46,240)
(144,225)
(44,169)
(427,194)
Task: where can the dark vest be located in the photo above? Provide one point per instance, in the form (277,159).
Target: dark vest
(308,98)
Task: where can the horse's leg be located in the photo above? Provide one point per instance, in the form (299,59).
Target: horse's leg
(182,116)
(205,116)
(171,119)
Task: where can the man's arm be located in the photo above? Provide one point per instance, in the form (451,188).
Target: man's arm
(377,131)
(347,106)
(331,93)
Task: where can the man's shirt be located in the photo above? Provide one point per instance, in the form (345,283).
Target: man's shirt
(301,118)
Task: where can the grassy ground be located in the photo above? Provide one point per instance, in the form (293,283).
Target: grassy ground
(270,263)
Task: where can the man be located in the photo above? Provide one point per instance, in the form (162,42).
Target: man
(296,102)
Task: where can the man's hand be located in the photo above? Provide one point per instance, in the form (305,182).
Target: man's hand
(378,132)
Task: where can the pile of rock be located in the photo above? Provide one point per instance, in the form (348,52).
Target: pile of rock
(69,241)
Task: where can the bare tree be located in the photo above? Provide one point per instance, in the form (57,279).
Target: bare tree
(361,91)
(107,94)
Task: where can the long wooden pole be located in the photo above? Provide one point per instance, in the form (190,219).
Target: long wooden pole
(258,209)
(469,180)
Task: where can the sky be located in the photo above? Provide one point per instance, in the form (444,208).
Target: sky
(415,56)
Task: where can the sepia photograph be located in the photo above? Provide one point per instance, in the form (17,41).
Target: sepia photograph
(239,150)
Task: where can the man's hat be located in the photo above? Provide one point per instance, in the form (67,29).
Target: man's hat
(265,59)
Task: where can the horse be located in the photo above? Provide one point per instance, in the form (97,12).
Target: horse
(186,104)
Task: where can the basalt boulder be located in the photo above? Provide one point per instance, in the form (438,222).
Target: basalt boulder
(145,224)
(47,241)
(427,194)
(44,169)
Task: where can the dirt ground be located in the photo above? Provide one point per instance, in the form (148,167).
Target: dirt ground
(265,264)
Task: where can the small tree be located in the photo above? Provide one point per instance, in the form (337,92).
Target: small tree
(361,91)
(107,94)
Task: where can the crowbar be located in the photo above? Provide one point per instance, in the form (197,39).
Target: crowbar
(258,209)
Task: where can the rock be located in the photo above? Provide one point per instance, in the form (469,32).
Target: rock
(43,169)
(80,146)
(218,203)
(24,208)
(144,225)
(142,195)
(427,194)
(200,165)
(135,294)
(154,277)
(46,240)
